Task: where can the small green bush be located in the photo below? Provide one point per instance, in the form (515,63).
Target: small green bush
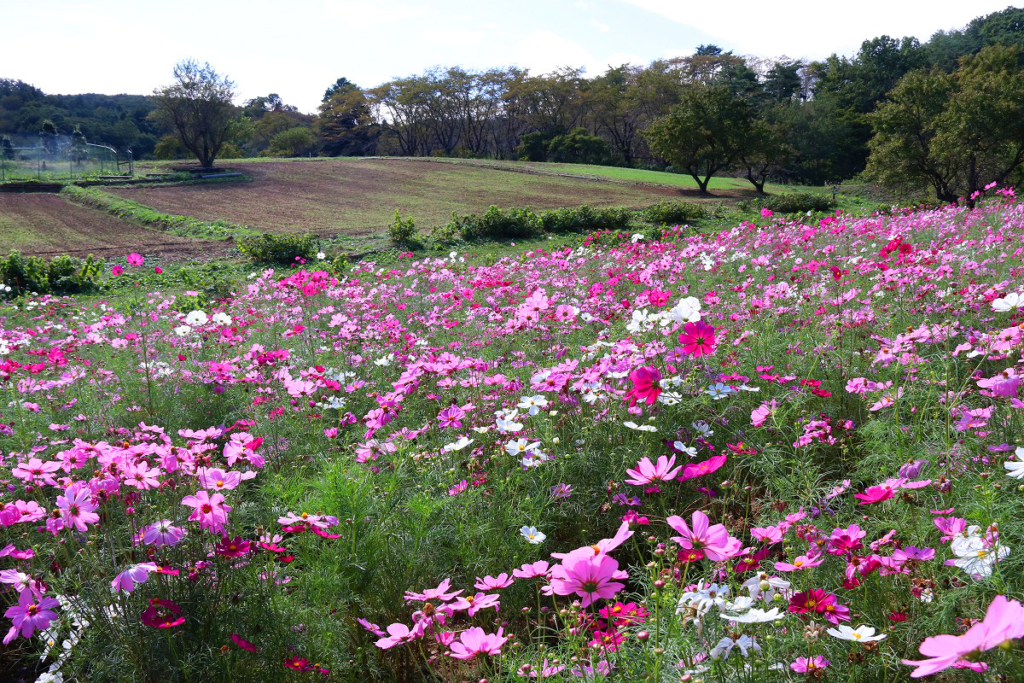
(402,232)
(278,249)
(584,218)
(674,213)
(496,224)
(61,275)
(794,202)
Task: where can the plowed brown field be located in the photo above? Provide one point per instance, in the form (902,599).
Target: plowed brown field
(358,197)
(48,225)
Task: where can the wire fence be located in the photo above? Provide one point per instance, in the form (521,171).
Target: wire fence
(59,157)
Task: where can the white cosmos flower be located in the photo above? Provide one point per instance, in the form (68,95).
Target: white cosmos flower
(861,634)
(520,447)
(725,646)
(196,319)
(756,616)
(689,450)
(531,535)
(182,330)
(222,318)
(685,311)
(458,445)
(533,404)
(640,428)
(975,558)
(1015,468)
(1010,302)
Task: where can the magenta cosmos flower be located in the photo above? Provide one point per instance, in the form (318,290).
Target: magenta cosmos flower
(135,259)
(29,616)
(699,469)
(714,541)
(473,641)
(589,578)
(647,472)
(698,339)
(645,385)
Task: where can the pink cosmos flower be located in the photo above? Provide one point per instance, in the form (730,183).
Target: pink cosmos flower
(440,593)
(1004,620)
(31,614)
(473,641)
(476,603)
(800,563)
(397,635)
(490,583)
(133,576)
(760,414)
(218,479)
(713,541)
(645,386)
(647,472)
(588,578)
(116,270)
(699,469)
(76,507)
(243,643)
(210,511)
(697,339)
(768,534)
(532,571)
(161,533)
(811,665)
(135,259)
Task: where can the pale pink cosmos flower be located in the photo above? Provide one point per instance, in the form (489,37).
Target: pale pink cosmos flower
(1004,620)
(161,533)
(647,472)
(800,563)
(133,576)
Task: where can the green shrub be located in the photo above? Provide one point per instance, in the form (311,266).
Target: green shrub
(402,232)
(497,224)
(794,202)
(278,249)
(674,213)
(584,218)
(61,275)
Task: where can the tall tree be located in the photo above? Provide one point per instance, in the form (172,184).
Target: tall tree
(955,132)
(198,106)
(704,133)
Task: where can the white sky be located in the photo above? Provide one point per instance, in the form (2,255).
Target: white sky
(298,48)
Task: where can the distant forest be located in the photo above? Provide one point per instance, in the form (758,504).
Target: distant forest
(804,122)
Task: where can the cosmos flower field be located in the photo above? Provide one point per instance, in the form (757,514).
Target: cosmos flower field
(791,450)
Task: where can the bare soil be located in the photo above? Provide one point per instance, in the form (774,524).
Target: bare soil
(358,197)
(48,225)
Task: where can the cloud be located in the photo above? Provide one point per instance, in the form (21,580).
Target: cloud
(543,51)
(361,13)
(603,28)
(809,29)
